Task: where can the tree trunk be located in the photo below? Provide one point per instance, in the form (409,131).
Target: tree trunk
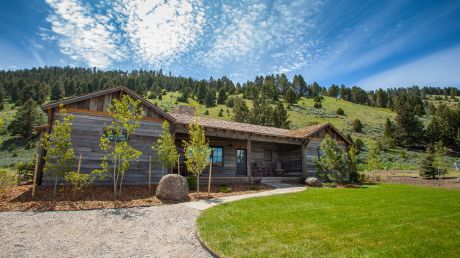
(198,183)
(55,186)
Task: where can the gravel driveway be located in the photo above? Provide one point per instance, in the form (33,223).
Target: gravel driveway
(157,231)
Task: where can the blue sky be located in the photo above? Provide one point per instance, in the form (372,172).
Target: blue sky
(368,43)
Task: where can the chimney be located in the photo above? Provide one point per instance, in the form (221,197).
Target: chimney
(188,110)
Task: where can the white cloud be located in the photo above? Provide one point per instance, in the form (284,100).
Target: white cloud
(250,29)
(438,69)
(160,31)
(82,34)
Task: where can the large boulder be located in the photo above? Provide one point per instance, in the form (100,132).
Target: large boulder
(173,187)
(313,181)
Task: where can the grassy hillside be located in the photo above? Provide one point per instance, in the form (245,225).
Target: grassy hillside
(14,148)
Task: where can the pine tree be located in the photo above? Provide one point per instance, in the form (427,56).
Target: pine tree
(408,128)
(26,93)
(340,112)
(426,167)
(357,126)
(388,130)
(210,98)
(222,96)
(290,96)
(26,117)
(240,110)
(2,97)
(333,164)
(57,91)
(281,117)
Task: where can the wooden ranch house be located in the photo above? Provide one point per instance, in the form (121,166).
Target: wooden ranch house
(241,152)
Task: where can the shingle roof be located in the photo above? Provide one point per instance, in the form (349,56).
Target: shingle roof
(249,128)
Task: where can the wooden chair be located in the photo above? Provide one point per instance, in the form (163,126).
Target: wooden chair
(279,170)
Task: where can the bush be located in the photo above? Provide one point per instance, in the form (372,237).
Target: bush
(79,181)
(357,126)
(340,112)
(7,180)
(317,105)
(331,185)
(191,181)
(230,102)
(206,112)
(225,189)
(25,172)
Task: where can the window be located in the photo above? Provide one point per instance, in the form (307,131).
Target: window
(113,137)
(217,156)
(267,155)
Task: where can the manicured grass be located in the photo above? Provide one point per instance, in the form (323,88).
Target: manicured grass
(377,221)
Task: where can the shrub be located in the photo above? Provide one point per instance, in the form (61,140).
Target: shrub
(330,184)
(25,172)
(79,181)
(317,105)
(357,126)
(340,112)
(191,181)
(7,180)
(221,112)
(225,189)
(230,102)
(206,112)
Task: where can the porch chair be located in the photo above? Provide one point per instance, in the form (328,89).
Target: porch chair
(279,170)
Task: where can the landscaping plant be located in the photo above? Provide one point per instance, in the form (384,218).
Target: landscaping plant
(127,115)
(166,148)
(60,154)
(333,163)
(196,151)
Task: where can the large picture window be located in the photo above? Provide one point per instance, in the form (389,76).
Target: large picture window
(217,156)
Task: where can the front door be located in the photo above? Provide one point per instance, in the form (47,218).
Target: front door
(241,162)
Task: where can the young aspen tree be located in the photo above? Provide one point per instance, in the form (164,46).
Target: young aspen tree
(60,154)
(166,148)
(373,162)
(196,151)
(127,115)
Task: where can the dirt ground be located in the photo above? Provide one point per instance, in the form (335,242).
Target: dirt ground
(413,178)
(19,198)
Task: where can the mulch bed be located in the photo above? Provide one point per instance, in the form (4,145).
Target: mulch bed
(412,178)
(19,198)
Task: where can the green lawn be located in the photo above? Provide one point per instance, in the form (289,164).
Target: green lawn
(377,221)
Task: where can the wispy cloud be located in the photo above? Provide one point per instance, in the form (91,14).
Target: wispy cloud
(439,69)
(83,34)
(159,31)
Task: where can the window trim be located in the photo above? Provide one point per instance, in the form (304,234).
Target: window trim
(212,155)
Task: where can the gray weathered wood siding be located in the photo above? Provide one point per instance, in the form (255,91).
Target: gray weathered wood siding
(102,103)
(86,133)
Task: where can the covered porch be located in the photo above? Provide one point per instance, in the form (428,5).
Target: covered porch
(254,158)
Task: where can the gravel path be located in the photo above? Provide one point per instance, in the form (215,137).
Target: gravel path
(158,231)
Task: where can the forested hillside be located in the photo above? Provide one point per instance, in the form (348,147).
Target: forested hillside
(402,121)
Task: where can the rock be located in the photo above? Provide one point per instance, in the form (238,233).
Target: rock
(173,187)
(313,181)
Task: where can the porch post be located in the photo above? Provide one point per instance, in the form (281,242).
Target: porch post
(304,159)
(248,158)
